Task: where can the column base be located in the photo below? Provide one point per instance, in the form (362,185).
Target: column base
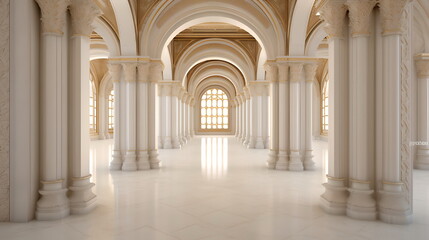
(53,203)
(267,143)
(116,163)
(82,199)
(143,161)
(282,161)
(176,143)
(166,143)
(153,159)
(272,159)
(361,203)
(422,161)
(393,204)
(309,164)
(259,144)
(252,143)
(334,199)
(295,163)
(130,162)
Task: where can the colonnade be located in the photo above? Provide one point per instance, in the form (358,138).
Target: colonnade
(64,140)
(176,111)
(251,109)
(135,86)
(422,65)
(291,85)
(353,186)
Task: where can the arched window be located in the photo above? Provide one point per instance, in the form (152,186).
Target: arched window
(214,111)
(325,107)
(92,109)
(111,110)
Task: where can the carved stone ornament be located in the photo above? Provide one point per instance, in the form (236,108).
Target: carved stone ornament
(391,12)
(53,15)
(156,68)
(130,71)
(296,70)
(271,71)
(83,13)
(333,12)
(422,67)
(310,71)
(360,16)
(115,72)
(143,71)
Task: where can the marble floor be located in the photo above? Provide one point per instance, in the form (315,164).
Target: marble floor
(215,189)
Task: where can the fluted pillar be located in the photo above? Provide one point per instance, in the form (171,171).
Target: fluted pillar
(361,203)
(248,118)
(156,68)
(393,206)
(422,65)
(82,199)
(130,157)
(175,116)
(283,117)
(310,76)
(334,199)
(272,78)
(165,110)
(243,116)
(237,117)
(115,71)
(296,77)
(192,117)
(53,203)
(143,69)
(188,117)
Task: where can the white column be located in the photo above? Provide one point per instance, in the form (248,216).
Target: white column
(192,114)
(334,199)
(165,108)
(237,117)
(243,117)
(180,117)
(143,69)
(175,116)
(130,158)
(115,71)
(189,133)
(82,199)
(254,118)
(422,65)
(271,77)
(156,69)
(361,203)
(283,117)
(248,119)
(258,115)
(239,121)
(184,120)
(265,112)
(53,203)
(393,206)
(296,77)
(310,74)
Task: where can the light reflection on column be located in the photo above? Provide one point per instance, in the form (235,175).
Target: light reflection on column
(93,166)
(325,163)
(214,157)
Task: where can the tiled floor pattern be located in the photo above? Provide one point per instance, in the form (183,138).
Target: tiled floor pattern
(215,189)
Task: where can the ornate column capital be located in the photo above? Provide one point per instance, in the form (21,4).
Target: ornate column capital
(156,68)
(143,72)
(83,13)
(115,71)
(391,12)
(271,71)
(130,71)
(360,16)
(310,71)
(333,12)
(296,70)
(53,15)
(283,71)
(422,66)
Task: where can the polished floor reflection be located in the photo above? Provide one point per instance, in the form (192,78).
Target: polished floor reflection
(215,189)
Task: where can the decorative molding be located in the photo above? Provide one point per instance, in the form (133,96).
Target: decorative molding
(83,14)
(422,66)
(391,12)
(4,110)
(156,68)
(406,63)
(360,16)
(310,72)
(115,71)
(296,70)
(271,71)
(130,71)
(333,12)
(53,15)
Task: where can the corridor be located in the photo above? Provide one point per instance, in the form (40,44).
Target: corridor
(214,189)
